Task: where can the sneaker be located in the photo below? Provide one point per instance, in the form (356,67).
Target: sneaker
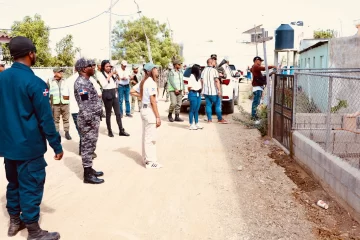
(257,122)
(129,115)
(198,126)
(154,165)
(192,127)
(223,121)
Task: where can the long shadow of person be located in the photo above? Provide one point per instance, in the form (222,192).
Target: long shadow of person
(131,154)
(75,165)
(71,146)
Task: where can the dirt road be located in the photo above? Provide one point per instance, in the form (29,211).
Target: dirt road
(199,194)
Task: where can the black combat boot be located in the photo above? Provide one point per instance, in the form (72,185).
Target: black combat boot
(36,233)
(67,135)
(110,134)
(177,118)
(170,117)
(16,225)
(97,174)
(89,177)
(123,133)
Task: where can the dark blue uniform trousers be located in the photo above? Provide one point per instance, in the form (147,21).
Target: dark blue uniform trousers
(25,188)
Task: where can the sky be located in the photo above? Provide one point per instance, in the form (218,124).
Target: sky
(194,22)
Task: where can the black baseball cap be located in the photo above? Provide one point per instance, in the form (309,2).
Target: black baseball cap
(214,56)
(257,58)
(21,46)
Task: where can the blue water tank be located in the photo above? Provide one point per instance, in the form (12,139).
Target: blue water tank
(284,37)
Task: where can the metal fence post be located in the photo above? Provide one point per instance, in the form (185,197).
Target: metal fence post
(328,118)
(295,93)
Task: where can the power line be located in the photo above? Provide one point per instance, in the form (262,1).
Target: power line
(125,15)
(75,24)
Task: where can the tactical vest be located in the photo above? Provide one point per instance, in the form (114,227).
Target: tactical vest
(178,79)
(58,89)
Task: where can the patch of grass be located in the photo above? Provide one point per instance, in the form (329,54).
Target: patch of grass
(245,119)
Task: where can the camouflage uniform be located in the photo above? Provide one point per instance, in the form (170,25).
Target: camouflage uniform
(88,118)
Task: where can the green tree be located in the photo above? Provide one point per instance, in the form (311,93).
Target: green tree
(319,34)
(36,30)
(129,41)
(65,52)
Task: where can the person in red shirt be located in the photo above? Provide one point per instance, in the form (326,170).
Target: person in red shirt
(258,83)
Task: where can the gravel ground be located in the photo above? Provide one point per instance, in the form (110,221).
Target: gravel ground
(201,193)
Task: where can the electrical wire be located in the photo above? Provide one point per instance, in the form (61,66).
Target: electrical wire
(75,24)
(126,15)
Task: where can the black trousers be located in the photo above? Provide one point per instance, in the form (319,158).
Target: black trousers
(111,101)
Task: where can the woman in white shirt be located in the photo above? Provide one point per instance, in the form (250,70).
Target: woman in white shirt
(110,97)
(194,96)
(146,90)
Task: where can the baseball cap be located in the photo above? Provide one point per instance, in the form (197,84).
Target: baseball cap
(135,66)
(21,46)
(177,61)
(213,56)
(58,69)
(124,63)
(257,58)
(149,66)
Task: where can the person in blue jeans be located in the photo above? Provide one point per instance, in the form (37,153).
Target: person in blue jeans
(212,91)
(194,95)
(258,84)
(124,89)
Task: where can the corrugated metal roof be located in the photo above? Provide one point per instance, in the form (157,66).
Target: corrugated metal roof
(318,44)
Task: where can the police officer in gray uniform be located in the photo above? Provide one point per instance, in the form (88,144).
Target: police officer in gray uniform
(88,118)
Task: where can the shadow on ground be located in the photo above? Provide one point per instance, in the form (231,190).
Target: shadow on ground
(132,155)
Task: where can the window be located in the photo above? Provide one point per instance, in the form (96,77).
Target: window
(314,62)
(308,64)
(321,61)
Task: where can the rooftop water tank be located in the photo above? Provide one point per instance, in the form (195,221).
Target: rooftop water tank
(284,37)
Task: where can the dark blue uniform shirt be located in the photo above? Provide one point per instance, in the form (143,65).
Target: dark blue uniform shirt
(26,119)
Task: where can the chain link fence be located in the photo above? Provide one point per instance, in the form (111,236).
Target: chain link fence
(327,110)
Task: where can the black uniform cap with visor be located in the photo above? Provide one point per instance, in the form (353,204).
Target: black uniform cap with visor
(213,56)
(21,46)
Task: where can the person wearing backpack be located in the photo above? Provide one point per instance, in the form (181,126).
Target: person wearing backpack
(258,83)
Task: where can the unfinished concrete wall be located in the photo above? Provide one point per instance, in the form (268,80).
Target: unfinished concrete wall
(344,52)
(331,171)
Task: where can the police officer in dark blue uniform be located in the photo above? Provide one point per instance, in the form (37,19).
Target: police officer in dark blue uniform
(26,123)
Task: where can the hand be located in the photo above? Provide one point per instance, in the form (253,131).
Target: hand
(59,156)
(111,74)
(219,93)
(158,122)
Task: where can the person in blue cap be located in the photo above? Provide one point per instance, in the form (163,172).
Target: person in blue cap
(26,123)
(147,91)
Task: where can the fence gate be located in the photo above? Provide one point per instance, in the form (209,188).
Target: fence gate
(283,108)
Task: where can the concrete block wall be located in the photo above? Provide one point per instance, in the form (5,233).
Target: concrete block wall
(317,120)
(340,141)
(331,171)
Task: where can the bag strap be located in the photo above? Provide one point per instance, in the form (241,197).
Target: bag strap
(107,77)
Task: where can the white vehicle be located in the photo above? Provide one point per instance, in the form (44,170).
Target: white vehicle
(229,88)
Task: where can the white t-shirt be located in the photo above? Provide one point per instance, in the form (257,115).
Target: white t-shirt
(208,75)
(150,89)
(195,85)
(124,73)
(104,82)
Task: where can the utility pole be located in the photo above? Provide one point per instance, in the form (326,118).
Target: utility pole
(147,39)
(256,41)
(263,40)
(110,11)
(171,34)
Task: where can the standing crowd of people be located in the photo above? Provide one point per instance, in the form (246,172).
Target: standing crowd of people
(31,110)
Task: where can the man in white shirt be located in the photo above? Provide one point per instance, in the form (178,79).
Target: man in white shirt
(212,91)
(124,89)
